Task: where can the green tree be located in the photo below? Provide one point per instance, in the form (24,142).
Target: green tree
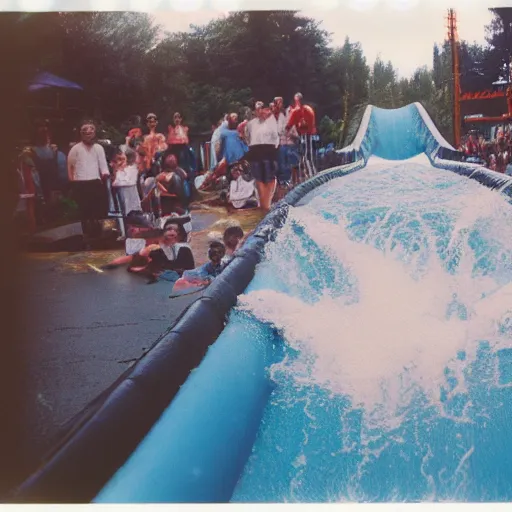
(474,68)
(226,62)
(106,52)
(499,38)
(437,67)
(384,90)
(346,78)
(329,130)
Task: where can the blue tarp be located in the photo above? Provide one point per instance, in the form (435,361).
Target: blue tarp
(47,80)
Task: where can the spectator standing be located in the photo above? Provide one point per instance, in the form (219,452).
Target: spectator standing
(230,149)
(178,145)
(133,139)
(242,127)
(45,160)
(62,167)
(154,145)
(31,194)
(152,148)
(214,158)
(471,149)
(502,156)
(288,156)
(125,182)
(303,118)
(88,172)
(263,140)
(177,133)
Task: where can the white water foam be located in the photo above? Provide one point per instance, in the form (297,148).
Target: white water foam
(395,340)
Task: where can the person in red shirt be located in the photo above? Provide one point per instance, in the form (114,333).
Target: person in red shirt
(179,145)
(153,143)
(177,134)
(302,117)
(471,148)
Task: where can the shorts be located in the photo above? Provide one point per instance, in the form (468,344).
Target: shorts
(264,171)
(92,199)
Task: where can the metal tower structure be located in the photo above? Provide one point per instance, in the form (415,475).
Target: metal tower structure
(453,39)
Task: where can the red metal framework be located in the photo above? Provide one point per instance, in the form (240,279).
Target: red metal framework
(453,38)
(482,95)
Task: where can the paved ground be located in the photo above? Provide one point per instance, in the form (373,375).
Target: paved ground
(83,328)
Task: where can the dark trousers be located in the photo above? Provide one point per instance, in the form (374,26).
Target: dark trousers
(92,199)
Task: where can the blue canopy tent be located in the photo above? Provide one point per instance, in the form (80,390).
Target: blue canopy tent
(57,99)
(48,80)
(45,81)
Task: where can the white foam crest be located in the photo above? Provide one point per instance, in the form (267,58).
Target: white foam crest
(359,349)
(396,339)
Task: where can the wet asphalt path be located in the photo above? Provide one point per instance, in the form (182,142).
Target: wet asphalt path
(81,331)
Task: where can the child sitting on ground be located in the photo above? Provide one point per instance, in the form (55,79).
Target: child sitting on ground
(242,193)
(164,258)
(202,276)
(169,258)
(232,237)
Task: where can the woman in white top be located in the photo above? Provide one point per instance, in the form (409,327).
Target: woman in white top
(263,140)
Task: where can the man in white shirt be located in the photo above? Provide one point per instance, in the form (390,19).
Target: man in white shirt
(88,173)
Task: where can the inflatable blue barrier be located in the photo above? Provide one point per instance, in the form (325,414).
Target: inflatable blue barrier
(180,426)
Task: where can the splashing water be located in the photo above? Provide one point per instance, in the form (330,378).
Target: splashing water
(392,290)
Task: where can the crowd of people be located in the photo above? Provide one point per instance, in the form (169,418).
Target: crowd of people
(169,257)
(271,147)
(156,174)
(252,155)
(493,154)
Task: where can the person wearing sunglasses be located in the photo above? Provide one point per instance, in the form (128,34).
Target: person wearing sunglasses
(88,172)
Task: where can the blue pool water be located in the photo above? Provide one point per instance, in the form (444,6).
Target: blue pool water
(393,310)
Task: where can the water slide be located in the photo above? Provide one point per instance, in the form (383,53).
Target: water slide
(358,348)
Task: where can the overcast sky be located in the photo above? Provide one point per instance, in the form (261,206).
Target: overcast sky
(402,31)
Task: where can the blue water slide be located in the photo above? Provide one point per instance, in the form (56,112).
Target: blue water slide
(199,440)
(180,427)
